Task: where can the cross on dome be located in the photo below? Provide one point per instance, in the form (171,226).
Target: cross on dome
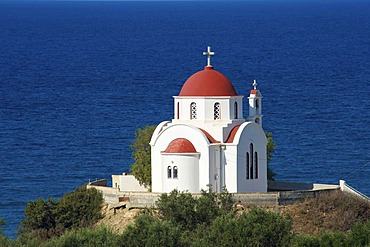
(209,53)
(255,84)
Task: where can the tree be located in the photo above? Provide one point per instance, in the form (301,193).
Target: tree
(39,218)
(270,149)
(141,168)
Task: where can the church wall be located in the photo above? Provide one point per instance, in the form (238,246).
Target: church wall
(187,172)
(195,136)
(205,107)
(230,154)
(216,171)
(219,129)
(251,133)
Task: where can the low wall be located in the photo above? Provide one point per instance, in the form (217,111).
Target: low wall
(288,194)
(100,182)
(261,199)
(296,186)
(290,197)
(346,188)
(110,195)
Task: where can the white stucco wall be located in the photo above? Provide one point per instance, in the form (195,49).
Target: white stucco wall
(127,183)
(187,172)
(251,133)
(160,142)
(205,107)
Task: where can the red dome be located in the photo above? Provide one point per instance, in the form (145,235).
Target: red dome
(208,82)
(180,145)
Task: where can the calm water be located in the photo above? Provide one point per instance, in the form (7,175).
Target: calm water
(78,78)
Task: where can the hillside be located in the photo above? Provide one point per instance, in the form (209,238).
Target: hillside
(336,211)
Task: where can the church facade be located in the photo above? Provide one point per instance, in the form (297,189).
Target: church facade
(208,141)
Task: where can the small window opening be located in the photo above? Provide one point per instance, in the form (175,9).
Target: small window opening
(169,172)
(175,172)
(256,164)
(247,166)
(235,110)
(251,161)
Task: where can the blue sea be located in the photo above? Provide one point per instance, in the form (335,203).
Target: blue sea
(78,78)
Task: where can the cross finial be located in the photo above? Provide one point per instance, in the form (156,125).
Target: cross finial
(209,53)
(255,84)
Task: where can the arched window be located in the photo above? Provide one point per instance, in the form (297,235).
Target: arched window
(251,161)
(257,105)
(193,110)
(235,110)
(169,172)
(175,172)
(216,111)
(257,121)
(256,164)
(247,167)
(178,110)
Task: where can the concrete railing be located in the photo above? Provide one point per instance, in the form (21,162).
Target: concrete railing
(346,188)
(286,195)
(298,186)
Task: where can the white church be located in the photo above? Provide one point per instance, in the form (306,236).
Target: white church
(208,141)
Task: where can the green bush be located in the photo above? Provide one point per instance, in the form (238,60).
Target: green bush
(187,211)
(332,239)
(149,230)
(359,235)
(45,219)
(79,208)
(88,237)
(254,228)
(303,240)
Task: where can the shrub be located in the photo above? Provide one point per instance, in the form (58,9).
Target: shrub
(79,208)
(254,228)
(359,235)
(187,211)
(303,240)
(149,230)
(45,219)
(101,236)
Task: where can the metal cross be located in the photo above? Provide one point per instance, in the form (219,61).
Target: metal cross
(255,84)
(209,53)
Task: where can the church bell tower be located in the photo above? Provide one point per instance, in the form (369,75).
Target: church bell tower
(255,105)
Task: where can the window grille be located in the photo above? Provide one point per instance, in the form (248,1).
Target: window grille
(216,111)
(193,110)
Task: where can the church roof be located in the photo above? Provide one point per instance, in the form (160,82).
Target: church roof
(230,138)
(180,145)
(208,82)
(209,137)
